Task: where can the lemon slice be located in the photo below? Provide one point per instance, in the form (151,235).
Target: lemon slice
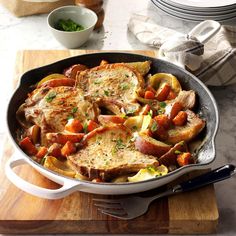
(50,77)
(160,78)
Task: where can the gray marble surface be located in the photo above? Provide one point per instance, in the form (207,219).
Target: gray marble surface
(32,33)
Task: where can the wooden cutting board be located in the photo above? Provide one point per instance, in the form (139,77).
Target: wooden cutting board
(20,213)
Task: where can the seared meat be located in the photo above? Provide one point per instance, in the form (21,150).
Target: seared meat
(186,98)
(50,108)
(187,132)
(113,82)
(109,152)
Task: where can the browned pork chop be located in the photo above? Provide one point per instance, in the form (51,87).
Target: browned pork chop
(109,152)
(113,82)
(50,108)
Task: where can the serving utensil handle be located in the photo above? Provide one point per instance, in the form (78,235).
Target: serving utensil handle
(67,186)
(213,176)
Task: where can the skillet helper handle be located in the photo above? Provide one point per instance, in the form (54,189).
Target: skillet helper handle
(205,30)
(213,176)
(66,188)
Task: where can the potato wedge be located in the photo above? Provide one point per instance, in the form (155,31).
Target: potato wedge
(150,146)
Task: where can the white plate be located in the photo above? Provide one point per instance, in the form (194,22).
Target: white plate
(205,3)
(192,17)
(201,7)
(194,12)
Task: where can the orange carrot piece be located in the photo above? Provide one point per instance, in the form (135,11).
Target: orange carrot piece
(63,138)
(163,92)
(91,125)
(27,146)
(55,150)
(180,119)
(163,120)
(171,95)
(149,95)
(74,126)
(151,89)
(58,82)
(41,152)
(175,109)
(184,158)
(68,149)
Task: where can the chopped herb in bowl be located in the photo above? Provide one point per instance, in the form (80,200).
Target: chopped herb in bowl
(68,25)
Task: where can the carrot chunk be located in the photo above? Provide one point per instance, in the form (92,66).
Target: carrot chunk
(27,146)
(163,92)
(174,110)
(151,89)
(91,125)
(149,95)
(162,120)
(55,150)
(68,149)
(41,152)
(171,95)
(180,119)
(74,126)
(63,138)
(184,158)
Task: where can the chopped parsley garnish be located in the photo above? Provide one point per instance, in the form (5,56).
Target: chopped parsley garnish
(106,92)
(154,126)
(177,152)
(162,104)
(151,169)
(134,127)
(74,109)
(124,116)
(150,113)
(51,96)
(120,144)
(85,127)
(70,117)
(42,160)
(68,25)
(124,86)
(160,111)
(97,81)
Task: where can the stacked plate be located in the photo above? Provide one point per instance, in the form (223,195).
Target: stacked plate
(199,10)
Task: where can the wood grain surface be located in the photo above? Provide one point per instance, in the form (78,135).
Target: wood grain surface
(20,213)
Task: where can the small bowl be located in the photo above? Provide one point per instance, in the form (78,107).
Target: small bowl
(80,15)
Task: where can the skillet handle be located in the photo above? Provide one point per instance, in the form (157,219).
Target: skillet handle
(219,174)
(67,188)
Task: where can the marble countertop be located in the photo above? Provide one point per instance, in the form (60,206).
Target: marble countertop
(32,33)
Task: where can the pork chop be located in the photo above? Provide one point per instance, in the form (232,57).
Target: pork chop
(109,152)
(50,108)
(113,82)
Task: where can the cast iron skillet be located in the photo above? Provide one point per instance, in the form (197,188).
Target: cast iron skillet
(206,108)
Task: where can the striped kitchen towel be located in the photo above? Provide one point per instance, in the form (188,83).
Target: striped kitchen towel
(214,63)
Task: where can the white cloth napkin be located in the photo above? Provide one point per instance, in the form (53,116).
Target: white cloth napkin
(214,63)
